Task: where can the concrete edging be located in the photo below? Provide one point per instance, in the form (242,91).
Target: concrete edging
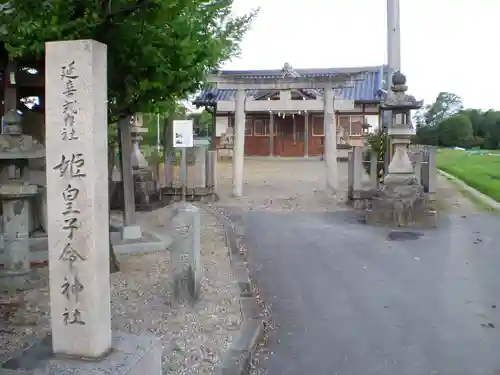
(237,359)
(476,193)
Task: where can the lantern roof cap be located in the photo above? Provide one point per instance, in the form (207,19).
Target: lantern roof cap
(397,98)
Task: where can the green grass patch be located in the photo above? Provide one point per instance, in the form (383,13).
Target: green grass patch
(480,170)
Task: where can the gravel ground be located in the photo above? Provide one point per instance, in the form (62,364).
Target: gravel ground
(283,185)
(193,338)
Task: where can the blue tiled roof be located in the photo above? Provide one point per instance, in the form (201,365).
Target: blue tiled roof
(365,90)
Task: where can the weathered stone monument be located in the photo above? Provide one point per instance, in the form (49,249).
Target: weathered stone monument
(401,201)
(186,263)
(81,340)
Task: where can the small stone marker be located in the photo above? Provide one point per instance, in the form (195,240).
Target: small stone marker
(78,213)
(186,263)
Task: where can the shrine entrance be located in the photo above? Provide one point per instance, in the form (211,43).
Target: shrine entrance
(290,138)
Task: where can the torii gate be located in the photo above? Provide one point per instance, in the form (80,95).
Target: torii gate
(327,83)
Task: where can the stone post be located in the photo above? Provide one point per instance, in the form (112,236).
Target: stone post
(350,175)
(200,167)
(183,169)
(211,170)
(239,143)
(130,228)
(186,262)
(306,135)
(418,164)
(78,213)
(271,134)
(330,128)
(374,169)
(357,164)
(432,188)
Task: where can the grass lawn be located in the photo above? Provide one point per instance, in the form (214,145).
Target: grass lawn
(479,170)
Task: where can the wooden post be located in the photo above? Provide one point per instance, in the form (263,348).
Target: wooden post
(306,135)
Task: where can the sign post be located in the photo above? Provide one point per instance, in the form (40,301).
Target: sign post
(183,138)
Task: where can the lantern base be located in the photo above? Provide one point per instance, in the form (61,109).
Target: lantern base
(401,202)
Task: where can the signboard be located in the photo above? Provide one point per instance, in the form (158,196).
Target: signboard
(183,133)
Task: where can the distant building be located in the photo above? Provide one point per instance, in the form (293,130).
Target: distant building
(298,126)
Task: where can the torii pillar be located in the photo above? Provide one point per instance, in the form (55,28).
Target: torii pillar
(328,84)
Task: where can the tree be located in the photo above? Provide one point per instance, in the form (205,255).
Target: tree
(158,50)
(446,105)
(456,131)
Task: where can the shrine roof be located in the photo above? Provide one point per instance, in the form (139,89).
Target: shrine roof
(366,90)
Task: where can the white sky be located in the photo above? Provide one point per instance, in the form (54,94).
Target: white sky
(446,45)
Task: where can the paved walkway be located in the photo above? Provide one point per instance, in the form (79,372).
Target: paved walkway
(347,299)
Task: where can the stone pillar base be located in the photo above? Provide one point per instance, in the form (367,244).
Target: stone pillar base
(130,355)
(131,232)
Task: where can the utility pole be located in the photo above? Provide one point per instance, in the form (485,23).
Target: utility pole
(393,60)
(393,37)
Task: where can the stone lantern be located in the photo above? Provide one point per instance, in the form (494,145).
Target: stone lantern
(400,170)
(400,200)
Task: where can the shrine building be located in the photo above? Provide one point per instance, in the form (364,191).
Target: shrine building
(297,115)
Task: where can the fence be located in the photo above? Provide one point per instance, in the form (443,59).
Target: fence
(366,172)
(190,173)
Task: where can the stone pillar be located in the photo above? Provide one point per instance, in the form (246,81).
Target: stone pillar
(130,228)
(418,158)
(186,262)
(78,213)
(374,169)
(183,173)
(357,154)
(200,167)
(239,143)
(432,173)
(350,175)
(306,135)
(271,134)
(330,128)
(211,170)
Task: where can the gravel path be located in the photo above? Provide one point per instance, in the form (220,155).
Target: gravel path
(193,338)
(282,185)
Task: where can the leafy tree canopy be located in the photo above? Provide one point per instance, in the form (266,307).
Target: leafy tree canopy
(447,104)
(456,131)
(158,50)
(446,123)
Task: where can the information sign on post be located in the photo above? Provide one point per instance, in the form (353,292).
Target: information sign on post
(183,133)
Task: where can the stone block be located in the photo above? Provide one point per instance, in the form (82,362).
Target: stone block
(186,257)
(131,232)
(130,355)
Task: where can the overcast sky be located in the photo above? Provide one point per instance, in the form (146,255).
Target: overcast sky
(447,45)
